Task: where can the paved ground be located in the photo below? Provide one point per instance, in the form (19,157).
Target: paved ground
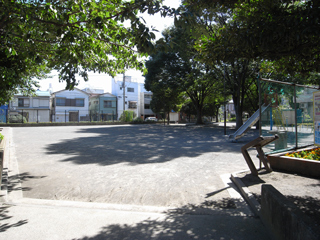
(302,191)
(125,182)
(155,165)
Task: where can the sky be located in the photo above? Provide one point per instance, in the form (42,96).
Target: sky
(103,81)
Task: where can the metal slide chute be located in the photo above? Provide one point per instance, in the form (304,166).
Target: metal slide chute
(248,124)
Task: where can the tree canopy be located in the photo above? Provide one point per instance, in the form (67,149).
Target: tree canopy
(72,37)
(286,31)
(176,64)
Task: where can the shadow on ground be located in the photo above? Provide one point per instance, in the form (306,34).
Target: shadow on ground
(15,180)
(309,205)
(143,144)
(4,215)
(218,220)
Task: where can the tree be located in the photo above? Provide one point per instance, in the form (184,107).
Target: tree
(212,105)
(177,66)
(165,101)
(285,31)
(166,96)
(72,37)
(237,74)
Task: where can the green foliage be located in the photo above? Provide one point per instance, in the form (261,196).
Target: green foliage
(283,31)
(237,73)
(72,37)
(1,137)
(17,119)
(278,119)
(137,120)
(175,70)
(127,116)
(313,154)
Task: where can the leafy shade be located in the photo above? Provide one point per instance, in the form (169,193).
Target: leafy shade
(178,69)
(72,37)
(285,31)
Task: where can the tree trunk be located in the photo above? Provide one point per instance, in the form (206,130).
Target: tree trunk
(217,115)
(199,116)
(168,117)
(238,110)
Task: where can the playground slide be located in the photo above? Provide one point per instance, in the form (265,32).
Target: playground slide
(248,124)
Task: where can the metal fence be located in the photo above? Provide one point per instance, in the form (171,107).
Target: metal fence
(100,116)
(45,115)
(289,114)
(3,115)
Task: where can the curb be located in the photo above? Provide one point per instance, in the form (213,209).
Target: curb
(5,171)
(246,194)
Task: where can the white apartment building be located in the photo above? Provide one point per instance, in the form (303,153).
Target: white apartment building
(131,95)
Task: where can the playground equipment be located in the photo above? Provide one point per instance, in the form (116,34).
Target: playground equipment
(248,124)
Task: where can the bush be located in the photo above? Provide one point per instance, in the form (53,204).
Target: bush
(232,119)
(17,119)
(137,120)
(127,116)
(1,137)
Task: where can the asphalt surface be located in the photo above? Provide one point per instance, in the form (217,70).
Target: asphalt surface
(125,182)
(155,165)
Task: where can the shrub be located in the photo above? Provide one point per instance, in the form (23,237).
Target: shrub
(1,137)
(17,119)
(137,120)
(127,116)
(233,119)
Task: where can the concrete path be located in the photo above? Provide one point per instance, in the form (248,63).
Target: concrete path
(128,182)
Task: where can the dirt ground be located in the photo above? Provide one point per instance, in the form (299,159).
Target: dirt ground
(303,191)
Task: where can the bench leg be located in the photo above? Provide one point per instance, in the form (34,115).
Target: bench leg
(248,159)
(263,159)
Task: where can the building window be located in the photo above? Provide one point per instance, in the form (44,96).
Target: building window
(146,106)
(70,102)
(80,102)
(130,89)
(107,104)
(23,102)
(60,101)
(132,104)
(148,96)
(20,102)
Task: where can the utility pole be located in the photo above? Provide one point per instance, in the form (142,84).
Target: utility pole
(124,92)
(225,110)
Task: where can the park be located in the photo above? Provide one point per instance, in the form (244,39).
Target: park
(147,180)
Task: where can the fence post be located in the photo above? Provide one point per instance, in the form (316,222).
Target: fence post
(295,113)
(65,116)
(37,115)
(22,116)
(78,115)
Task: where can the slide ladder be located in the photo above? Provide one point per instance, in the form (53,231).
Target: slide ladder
(248,124)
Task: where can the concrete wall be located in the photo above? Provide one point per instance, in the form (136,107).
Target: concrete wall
(283,218)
